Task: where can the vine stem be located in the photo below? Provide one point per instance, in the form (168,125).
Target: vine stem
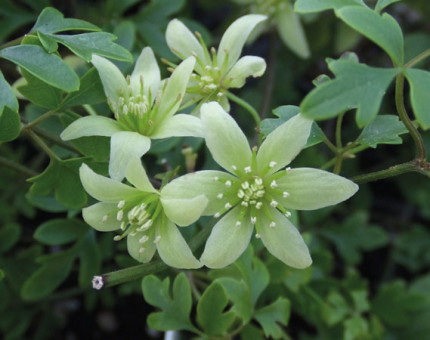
(418,58)
(14,42)
(246,106)
(42,144)
(18,167)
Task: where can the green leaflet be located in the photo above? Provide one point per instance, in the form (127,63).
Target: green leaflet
(10,125)
(381,4)
(384,129)
(60,231)
(419,81)
(268,316)
(355,86)
(7,97)
(308,6)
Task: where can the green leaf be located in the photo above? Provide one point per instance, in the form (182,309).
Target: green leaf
(7,97)
(52,21)
(381,4)
(10,125)
(284,113)
(384,129)
(39,92)
(55,269)
(419,82)
(49,44)
(309,6)
(101,43)
(355,86)
(48,67)
(158,11)
(251,332)
(210,311)
(60,231)
(175,308)
(89,260)
(126,34)
(382,30)
(355,327)
(9,236)
(90,91)
(268,316)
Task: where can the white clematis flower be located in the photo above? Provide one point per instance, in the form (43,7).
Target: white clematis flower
(142,215)
(216,72)
(257,192)
(143,109)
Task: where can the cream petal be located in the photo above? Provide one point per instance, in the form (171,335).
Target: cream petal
(179,125)
(183,212)
(310,189)
(245,67)
(235,37)
(100,216)
(173,249)
(136,175)
(146,69)
(112,79)
(91,126)
(224,139)
(284,240)
(124,146)
(134,248)
(103,188)
(283,144)
(227,241)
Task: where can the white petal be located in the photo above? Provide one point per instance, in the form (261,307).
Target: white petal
(227,241)
(112,79)
(235,37)
(313,189)
(291,30)
(182,42)
(91,126)
(284,241)
(124,146)
(245,67)
(173,94)
(173,249)
(197,184)
(182,211)
(225,140)
(179,125)
(103,188)
(146,68)
(136,175)
(284,143)
(100,216)
(134,248)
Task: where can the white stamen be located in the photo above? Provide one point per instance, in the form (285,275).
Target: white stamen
(253,220)
(274,204)
(157,239)
(240,193)
(244,204)
(228,184)
(272,164)
(143,239)
(273,184)
(121,204)
(123,225)
(234,167)
(245,185)
(219,94)
(288,169)
(141,250)
(216,178)
(285,194)
(258,205)
(119,215)
(247,169)
(272,224)
(145,226)
(288,214)
(104,218)
(217,215)
(117,238)
(257,235)
(97,282)
(220,196)
(238,224)
(227,205)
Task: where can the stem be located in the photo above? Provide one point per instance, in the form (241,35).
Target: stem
(14,42)
(18,167)
(339,131)
(42,144)
(246,106)
(39,119)
(90,110)
(416,136)
(412,166)
(55,139)
(417,59)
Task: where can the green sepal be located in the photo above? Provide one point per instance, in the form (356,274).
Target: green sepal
(269,316)
(384,129)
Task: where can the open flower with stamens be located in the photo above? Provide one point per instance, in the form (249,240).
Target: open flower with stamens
(257,191)
(142,215)
(143,106)
(216,71)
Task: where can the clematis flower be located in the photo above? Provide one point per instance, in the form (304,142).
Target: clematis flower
(216,72)
(142,215)
(257,192)
(143,109)
(280,13)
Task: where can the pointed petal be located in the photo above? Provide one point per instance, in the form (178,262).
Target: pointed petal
(179,125)
(124,146)
(91,126)
(223,135)
(313,189)
(100,216)
(173,94)
(226,241)
(146,68)
(184,211)
(284,241)
(182,42)
(291,30)
(134,248)
(103,188)
(235,37)
(173,249)
(197,184)
(136,175)
(284,143)
(245,67)
(112,79)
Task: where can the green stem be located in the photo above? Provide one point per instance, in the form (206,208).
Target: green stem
(90,110)
(42,144)
(14,42)
(40,119)
(55,139)
(246,106)
(412,166)
(417,59)
(18,167)
(416,136)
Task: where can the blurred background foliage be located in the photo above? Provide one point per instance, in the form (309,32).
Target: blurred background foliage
(370,278)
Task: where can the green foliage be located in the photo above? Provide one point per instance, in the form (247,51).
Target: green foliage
(384,129)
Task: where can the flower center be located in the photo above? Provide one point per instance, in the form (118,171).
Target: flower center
(251,192)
